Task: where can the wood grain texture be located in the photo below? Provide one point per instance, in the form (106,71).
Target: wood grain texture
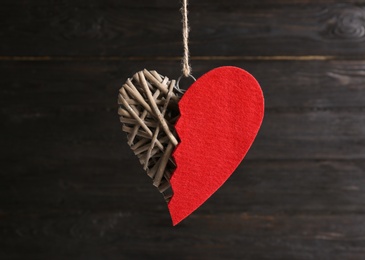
(70,188)
(294,85)
(239,29)
(255,214)
(173,4)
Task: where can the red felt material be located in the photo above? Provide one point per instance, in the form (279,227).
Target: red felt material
(221,114)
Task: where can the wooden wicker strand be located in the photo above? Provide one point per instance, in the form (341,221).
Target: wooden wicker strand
(156,110)
(148,110)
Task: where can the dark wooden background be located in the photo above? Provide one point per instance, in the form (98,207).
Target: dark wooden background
(70,188)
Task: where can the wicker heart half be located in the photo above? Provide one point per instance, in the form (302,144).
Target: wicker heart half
(220,115)
(148,109)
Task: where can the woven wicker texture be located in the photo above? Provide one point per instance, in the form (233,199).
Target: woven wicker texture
(148,109)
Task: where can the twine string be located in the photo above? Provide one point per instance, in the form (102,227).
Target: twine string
(186,69)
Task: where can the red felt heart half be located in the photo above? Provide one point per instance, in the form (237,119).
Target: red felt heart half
(220,115)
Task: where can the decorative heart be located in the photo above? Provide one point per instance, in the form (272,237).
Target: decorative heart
(221,114)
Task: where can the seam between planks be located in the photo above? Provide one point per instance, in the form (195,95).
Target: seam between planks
(178,58)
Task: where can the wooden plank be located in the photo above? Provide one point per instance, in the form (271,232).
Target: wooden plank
(284,135)
(293,86)
(111,180)
(172,4)
(92,235)
(319,28)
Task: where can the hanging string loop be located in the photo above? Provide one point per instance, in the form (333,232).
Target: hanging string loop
(177,87)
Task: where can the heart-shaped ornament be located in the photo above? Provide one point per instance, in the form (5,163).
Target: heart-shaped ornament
(220,115)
